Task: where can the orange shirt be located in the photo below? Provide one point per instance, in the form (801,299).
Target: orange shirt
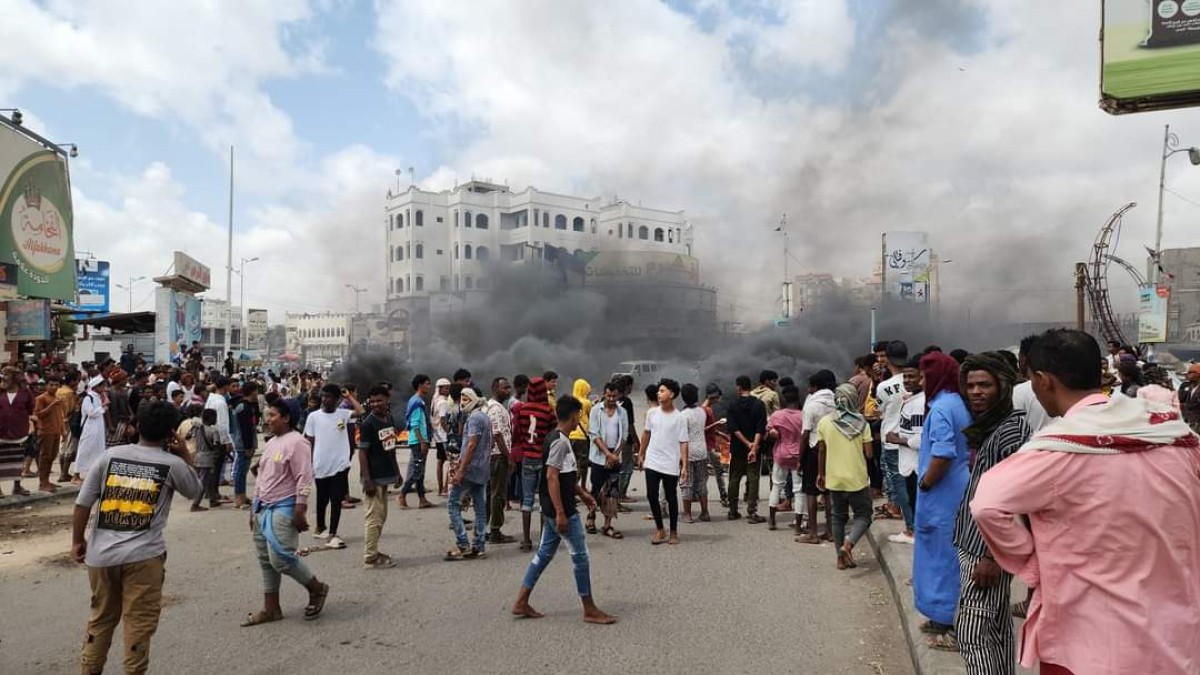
(50,417)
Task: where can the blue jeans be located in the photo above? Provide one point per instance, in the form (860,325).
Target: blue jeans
(478,494)
(890,463)
(241,466)
(576,545)
(416,472)
(531,478)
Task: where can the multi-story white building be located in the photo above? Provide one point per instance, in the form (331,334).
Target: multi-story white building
(442,241)
(318,338)
(213,315)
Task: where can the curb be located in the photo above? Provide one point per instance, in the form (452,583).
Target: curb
(10,501)
(896,562)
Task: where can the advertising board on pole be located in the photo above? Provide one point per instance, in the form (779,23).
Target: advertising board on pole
(906,257)
(1152,313)
(176,324)
(256,329)
(92,277)
(36,218)
(28,320)
(1150,55)
(191,269)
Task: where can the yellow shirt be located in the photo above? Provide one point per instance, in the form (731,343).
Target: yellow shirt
(845,464)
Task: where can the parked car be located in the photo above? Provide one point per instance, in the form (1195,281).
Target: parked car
(640,371)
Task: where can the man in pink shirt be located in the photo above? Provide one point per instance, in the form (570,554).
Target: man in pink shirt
(1116,583)
(281,490)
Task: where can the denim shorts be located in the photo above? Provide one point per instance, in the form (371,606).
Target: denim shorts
(531,478)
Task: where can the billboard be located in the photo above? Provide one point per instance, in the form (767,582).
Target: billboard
(1150,55)
(92,278)
(191,269)
(36,217)
(906,266)
(642,267)
(176,324)
(28,320)
(256,328)
(1152,313)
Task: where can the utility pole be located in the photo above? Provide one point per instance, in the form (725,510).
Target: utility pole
(242,299)
(357,292)
(1080,287)
(787,282)
(229,268)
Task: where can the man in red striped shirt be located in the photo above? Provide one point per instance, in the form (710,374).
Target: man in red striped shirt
(532,421)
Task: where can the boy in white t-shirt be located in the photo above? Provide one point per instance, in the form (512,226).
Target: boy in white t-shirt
(327,429)
(664,458)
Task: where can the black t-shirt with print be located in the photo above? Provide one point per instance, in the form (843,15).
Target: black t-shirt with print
(377,436)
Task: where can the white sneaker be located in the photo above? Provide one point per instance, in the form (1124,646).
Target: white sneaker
(335,542)
(901,538)
(321,535)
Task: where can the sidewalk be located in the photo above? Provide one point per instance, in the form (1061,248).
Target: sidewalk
(66,492)
(896,562)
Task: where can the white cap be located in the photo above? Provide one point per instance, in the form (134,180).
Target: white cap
(443,382)
(95,382)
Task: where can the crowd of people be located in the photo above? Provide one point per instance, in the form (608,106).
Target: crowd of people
(1000,465)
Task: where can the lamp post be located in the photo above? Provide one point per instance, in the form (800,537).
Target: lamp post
(1170,147)
(357,291)
(129,287)
(242,296)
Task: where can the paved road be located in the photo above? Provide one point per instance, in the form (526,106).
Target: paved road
(732,598)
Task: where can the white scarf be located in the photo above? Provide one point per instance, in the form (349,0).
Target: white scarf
(1120,425)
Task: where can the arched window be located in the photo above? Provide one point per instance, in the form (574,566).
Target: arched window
(670,236)
(400,220)
(399,253)
(481,253)
(408,250)
(643,232)
(420,252)
(408,282)
(420,218)
(456,251)
(467,219)
(593,226)
(560,222)
(391,285)
(391,221)
(467,251)
(629,230)
(456,218)
(481,221)
(392,254)
(658,234)
(620,231)
(577,224)
(545,220)
(420,283)
(467,283)
(400,285)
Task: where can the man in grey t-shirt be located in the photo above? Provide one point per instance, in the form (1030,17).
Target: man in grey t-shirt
(134,485)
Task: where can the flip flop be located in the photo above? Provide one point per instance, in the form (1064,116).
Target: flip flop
(943,642)
(260,617)
(455,555)
(316,603)
(656,540)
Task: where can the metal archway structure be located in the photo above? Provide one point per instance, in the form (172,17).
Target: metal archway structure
(1097,277)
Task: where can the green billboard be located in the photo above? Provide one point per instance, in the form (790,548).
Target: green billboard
(36,220)
(1150,54)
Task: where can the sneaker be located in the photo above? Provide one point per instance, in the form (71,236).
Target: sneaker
(323,534)
(335,542)
(901,538)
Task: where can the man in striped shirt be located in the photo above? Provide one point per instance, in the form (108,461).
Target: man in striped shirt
(982,624)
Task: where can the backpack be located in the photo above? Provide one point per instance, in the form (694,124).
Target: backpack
(75,420)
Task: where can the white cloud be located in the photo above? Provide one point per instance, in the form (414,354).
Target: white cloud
(999,150)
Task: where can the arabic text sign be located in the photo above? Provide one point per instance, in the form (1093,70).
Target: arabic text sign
(189,268)
(1152,313)
(36,217)
(1150,55)
(906,265)
(92,277)
(256,328)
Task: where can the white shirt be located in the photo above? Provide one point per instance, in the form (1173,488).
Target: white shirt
(890,394)
(331,441)
(697,448)
(173,387)
(441,409)
(1035,414)
(816,406)
(912,419)
(216,401)
(667,431)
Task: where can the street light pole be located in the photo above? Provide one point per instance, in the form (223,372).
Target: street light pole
(242,297)
(1170,147)
(357,292)
(129,287)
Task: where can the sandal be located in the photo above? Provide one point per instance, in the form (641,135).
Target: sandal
(527,546)
(934,628)
(261,617)
(590,524)
(454,555)
(612,533)
(316,603)
(943,642)
(474,554)
(656,540)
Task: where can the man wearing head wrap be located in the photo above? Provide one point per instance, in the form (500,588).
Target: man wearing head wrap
(92,437)
(470,477)
(982,624)
(843,444)
(440,409)
(942,476)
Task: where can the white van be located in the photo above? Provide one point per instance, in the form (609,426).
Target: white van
(640,371)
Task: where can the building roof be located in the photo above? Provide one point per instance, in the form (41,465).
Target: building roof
(128,322)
